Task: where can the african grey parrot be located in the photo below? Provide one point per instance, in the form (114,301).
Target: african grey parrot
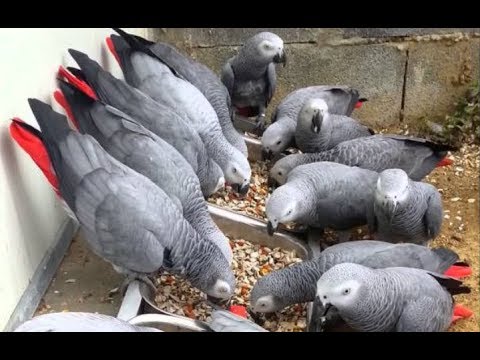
(145,71)
(418,157)
(250,76)
(297,283)
(324,194)
(126,219)
(395,299)
(280,134)
(146,153)
(196,73)
(225,321)
(319,130)
(79,322)
(406,210)
(169,124)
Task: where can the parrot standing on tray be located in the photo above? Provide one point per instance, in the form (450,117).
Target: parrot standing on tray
(168,123)
(280,135)
(394,299)
(250,76)
(145,71)
(126,219)
(146,153)
(197,74)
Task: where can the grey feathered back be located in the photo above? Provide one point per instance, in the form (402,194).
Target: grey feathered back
(297,283)
(417,157)
(79,322)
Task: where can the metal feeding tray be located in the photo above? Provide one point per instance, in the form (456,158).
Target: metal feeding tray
(139,299)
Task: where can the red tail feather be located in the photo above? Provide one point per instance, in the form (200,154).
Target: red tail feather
(34,147)
(60,98)
(461,312)
(445,162)
(111,47)
(78,83)
(358,105)
(239,310)
(458,271)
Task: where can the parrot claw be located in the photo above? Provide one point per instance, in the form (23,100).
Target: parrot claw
(260,125)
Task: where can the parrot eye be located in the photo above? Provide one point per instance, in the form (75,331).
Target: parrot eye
(234,170)
(280,173)
(346,291)
(289,212)
(279,142)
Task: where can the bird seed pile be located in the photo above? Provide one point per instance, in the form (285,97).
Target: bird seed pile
(251,261)
(253,204)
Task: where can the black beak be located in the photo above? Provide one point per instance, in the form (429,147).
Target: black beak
(317,320)
(243,190)
(270,229)
(316,123)
(281,58)
(272,182)
(266,154)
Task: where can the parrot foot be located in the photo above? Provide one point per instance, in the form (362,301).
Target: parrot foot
(260,125)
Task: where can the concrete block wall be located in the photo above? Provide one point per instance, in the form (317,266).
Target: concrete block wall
(407,74)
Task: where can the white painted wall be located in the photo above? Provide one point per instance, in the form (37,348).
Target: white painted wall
(30,214)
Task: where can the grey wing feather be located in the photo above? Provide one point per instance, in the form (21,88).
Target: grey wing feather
(434,215)
(271,83)
(424,314)
(228,77)
(225,321)
(122,231)
(78,322)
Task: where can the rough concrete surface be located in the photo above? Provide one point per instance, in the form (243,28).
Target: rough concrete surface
(377,70)
(82,283)
(357,66)
(187,37)
(400,32)
(437,74)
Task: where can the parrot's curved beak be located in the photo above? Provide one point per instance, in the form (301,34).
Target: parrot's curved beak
(241,189)
(271,229)
(317,122)
(266,154)
(281,58)
(244,189)
(272,182)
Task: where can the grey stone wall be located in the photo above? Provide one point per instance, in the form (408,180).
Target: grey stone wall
(407,74)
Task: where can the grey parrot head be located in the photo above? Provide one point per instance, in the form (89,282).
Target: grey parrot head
(344,286)
(266,295)
(313,113)
(267,48)
(279,172)
(238,173)
(392,189)
(275,139)
(283,207)
(209,271)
